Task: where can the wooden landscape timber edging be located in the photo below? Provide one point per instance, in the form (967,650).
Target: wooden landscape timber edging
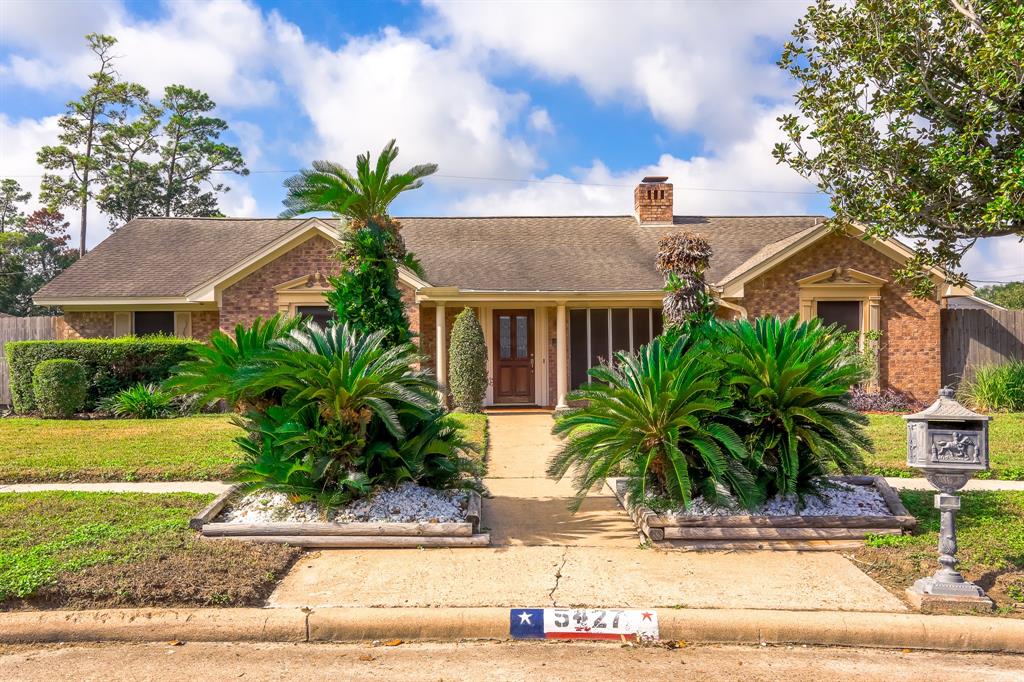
(356,535)
(805,533)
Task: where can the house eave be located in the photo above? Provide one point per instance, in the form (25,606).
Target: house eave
(455,294)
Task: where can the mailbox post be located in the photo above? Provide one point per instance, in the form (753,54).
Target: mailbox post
(949,443)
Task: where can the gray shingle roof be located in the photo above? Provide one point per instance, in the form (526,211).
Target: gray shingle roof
(171,256)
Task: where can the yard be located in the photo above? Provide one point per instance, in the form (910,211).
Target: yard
(1006,447)
(990,534)
(474,428)
(71,549)
(187,448)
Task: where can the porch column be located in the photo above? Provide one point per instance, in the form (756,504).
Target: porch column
(441,346)
(561,365)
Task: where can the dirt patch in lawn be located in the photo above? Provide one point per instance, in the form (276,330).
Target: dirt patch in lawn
(991,547)
(221,573)
(86,550)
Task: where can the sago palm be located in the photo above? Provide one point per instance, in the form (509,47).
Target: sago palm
(657,416)
(793,381)
(328,186)
(212,375)
(349,376)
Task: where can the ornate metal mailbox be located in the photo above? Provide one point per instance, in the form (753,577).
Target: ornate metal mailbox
(949,440)
(949,443)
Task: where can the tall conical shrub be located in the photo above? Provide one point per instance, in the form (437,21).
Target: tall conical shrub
(467,362)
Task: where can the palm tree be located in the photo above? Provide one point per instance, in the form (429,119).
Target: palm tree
(655,416)
(328,186)
(793,380)
(365,294)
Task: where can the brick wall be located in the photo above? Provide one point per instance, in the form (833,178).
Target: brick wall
(910,357)
(88,325)
(254,295)
(551,338)
(204,322)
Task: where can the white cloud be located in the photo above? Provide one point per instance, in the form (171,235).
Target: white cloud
(540,120)
(746,164)
(50,26)
(239,201)
(695,66)
(436,103)
(999,259)
(19,141)
(218,47)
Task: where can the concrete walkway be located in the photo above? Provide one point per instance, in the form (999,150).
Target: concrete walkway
(544,556)
(529,509)
(974,484)
(202,487)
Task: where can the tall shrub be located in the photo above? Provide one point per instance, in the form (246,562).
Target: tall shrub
(59,387)
(467,364)
(110,364)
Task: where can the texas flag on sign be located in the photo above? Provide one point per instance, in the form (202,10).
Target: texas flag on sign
(583,624)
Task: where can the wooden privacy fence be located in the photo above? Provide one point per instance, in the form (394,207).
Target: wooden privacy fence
(22,329)
(975,338)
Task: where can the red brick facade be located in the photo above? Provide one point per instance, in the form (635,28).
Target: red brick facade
(909,356)
(204,322)
(88,325)
(254,295)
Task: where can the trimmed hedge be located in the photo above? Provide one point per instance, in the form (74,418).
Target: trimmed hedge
(59,387)
(467,371)
(110,364)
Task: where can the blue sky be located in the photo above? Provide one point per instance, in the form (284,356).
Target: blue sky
(528,107)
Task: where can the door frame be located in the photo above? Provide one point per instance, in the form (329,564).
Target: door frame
(531,338)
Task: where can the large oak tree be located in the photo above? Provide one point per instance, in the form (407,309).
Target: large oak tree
(912,119)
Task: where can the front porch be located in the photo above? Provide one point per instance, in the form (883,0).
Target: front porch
(539,345)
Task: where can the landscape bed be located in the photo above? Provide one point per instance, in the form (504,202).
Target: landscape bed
(771,532)
(219,520)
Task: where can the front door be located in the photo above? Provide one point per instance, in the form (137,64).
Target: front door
(513,356)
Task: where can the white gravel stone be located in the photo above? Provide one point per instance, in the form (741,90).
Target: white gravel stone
(407,503)
(837,499)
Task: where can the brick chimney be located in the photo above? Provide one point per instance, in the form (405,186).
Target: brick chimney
(652,201)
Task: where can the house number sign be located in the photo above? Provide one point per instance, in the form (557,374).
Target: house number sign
(614,624)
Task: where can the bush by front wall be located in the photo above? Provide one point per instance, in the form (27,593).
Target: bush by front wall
(59,387)
(110,364)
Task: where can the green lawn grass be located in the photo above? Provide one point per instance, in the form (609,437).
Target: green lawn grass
(187,448)
(1006,447)
(990,535)
(474,428)
(113,549)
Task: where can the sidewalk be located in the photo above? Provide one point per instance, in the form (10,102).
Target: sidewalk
(545,556)
(973,484)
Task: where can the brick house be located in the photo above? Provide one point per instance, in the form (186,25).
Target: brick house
(555,295)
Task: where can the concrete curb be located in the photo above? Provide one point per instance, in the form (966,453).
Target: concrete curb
(734,626)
